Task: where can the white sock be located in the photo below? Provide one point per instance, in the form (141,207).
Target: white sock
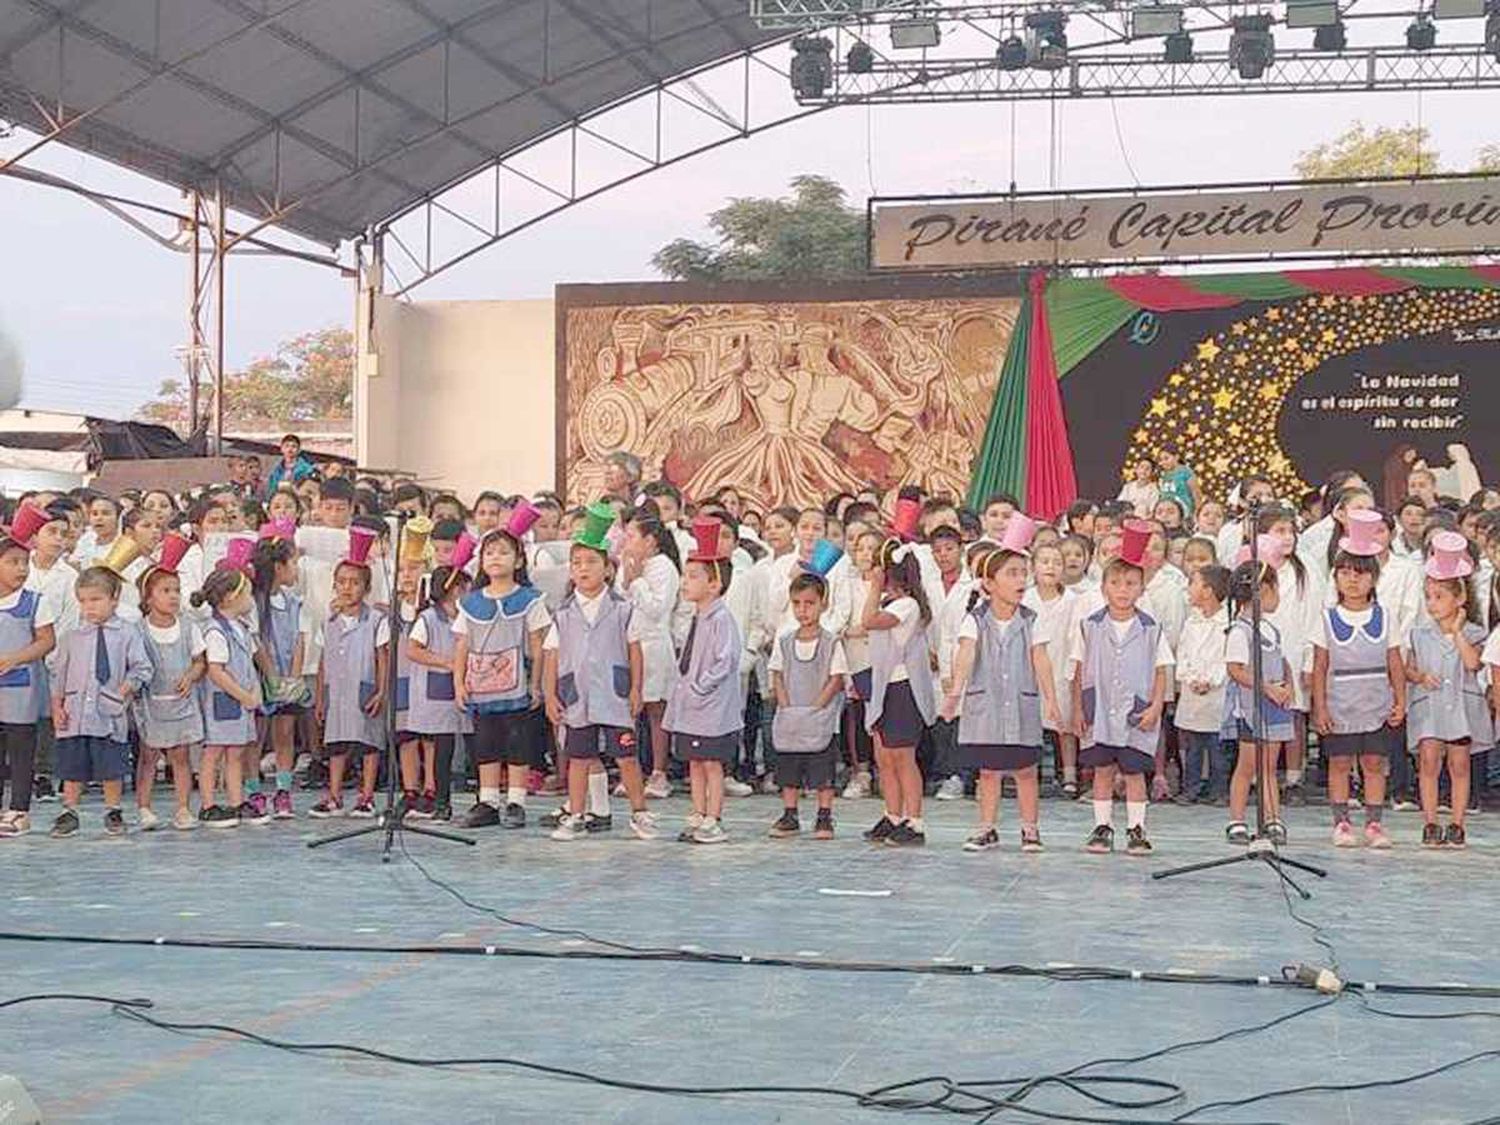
(1103,811)
(516,795)
(489,796)
(916,823)
(1135,814)
(894,818)
(1070,773)
(1294,777)
(598,802)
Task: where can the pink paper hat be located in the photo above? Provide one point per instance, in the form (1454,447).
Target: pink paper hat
(283,528)
(522,516)
(361,539)
(1449,557)
(463,550)
(1136,538)
(237,555)
(1019,532)
(1364,527)
(1268,547)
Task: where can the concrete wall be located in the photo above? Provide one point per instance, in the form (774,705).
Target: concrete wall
(459,393)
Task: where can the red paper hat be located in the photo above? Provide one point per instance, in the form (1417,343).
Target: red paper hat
(173,547)
(283,528)
(522,516)
(361,539)
(705,531)
(904,523)
(1450,556)
(463,550)
(1136,538)
(237,556)
(29,520)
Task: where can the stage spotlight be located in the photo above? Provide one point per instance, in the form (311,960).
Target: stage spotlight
(1330,37)
(1311,13)
(812,66)
(1179,48)
(1458,9)
(1251,47)
(1492,30)
(1155,19)
(860,59)
(913,34)
(1422,34)
(1011,55)
(1046,46)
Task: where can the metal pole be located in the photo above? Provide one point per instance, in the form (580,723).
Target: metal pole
(218,440)
(195,309)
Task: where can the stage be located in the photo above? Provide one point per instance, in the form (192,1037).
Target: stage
(1404,916)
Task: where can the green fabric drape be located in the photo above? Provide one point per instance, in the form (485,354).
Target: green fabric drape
(1083,313)
(1439,277)
(1001,464)
(1249,286)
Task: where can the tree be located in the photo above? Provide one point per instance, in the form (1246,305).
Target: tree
(1359,152)
(308,379)
(1488,159)
(811,234)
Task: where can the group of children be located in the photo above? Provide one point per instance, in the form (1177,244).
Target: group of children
(922,649)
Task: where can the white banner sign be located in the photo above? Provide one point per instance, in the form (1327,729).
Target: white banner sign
(968,233)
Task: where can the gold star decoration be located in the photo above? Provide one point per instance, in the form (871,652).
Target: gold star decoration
(1159,407)
(1238,328)
(1270,390)
(1242,360)
(1309,361)
(1223,398)
(1278,463)
(1209,350)
(1235,429)
(1194,429)
(1292,344)
(1176,379)
(1220,464)
(1273,314)
(1328,336)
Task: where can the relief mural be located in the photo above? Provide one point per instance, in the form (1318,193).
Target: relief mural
(787,402)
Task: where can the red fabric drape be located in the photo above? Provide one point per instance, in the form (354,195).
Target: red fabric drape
(1162,293)
(1489,273)
(1050,482)
(1348,282)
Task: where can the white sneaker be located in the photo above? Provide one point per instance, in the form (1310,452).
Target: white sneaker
(952,789)
(691,825)
(659,787)
(619,790)
(710,832)
(148,820)
(268,763)
(643,824)
(570,828)
(14,823)
(859,787)
(734,787)
(768,785)
(184,821)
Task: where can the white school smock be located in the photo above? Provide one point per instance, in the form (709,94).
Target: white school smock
(1056,622)
(654,596)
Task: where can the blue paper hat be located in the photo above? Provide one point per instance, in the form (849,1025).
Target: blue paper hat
(825,556)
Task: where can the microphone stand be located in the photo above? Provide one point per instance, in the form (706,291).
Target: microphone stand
(389,820)
(1261,848)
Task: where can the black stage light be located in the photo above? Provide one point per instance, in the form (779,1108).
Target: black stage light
(1422,34)
(1251,47)
(1179,48)
(1011,54)
(1330,37)
(812,66)
(860,59)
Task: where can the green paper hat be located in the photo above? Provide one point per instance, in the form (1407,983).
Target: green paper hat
(598,518)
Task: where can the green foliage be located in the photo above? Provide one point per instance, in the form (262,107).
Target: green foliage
(1359,152)
(308,379)
(811,234)
(1488,159)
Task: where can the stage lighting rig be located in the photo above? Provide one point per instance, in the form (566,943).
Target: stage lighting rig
(1251,47)
(812,66)
(1330,37)
(1154,20)
(1011,54)
(860,59)
(1492,30)
(1421,35)
(1179,48)
(910,35)
(1046,45)
(1458,9)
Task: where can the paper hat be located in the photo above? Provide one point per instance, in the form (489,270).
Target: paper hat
(361,539)
(237,554)
(1269,549)
(29,520)
(1020,531)
(463,551)
(1136,537)
(825,556)
(1364,526)
(415,537)
(173,547)
(122,552)
(904,522)
(522,516)
(598,519)
(705,531)
(1449,557)
(283,528)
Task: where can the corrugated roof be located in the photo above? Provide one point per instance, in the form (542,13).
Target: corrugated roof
(334,114)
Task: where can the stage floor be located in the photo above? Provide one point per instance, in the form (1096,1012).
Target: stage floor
(1401,916)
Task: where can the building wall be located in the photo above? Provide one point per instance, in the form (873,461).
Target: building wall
(458,393)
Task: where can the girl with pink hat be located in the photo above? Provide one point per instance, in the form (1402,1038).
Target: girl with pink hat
(1358,683)
(1449,718)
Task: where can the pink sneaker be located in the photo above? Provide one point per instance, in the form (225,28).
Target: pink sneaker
(282,805)
(1343,835)
(1375,836)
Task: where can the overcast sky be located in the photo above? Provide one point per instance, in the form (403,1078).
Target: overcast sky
(98,309)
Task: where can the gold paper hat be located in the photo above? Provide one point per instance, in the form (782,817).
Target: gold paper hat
(416,537)
(122,552)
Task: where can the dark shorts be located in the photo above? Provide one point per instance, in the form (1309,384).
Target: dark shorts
(808,771)
(703,748)
(599,741)
(92,759)
(992,756)
(1130,761)
(1377,743)
(515,738)
(341,749)
(900,725)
